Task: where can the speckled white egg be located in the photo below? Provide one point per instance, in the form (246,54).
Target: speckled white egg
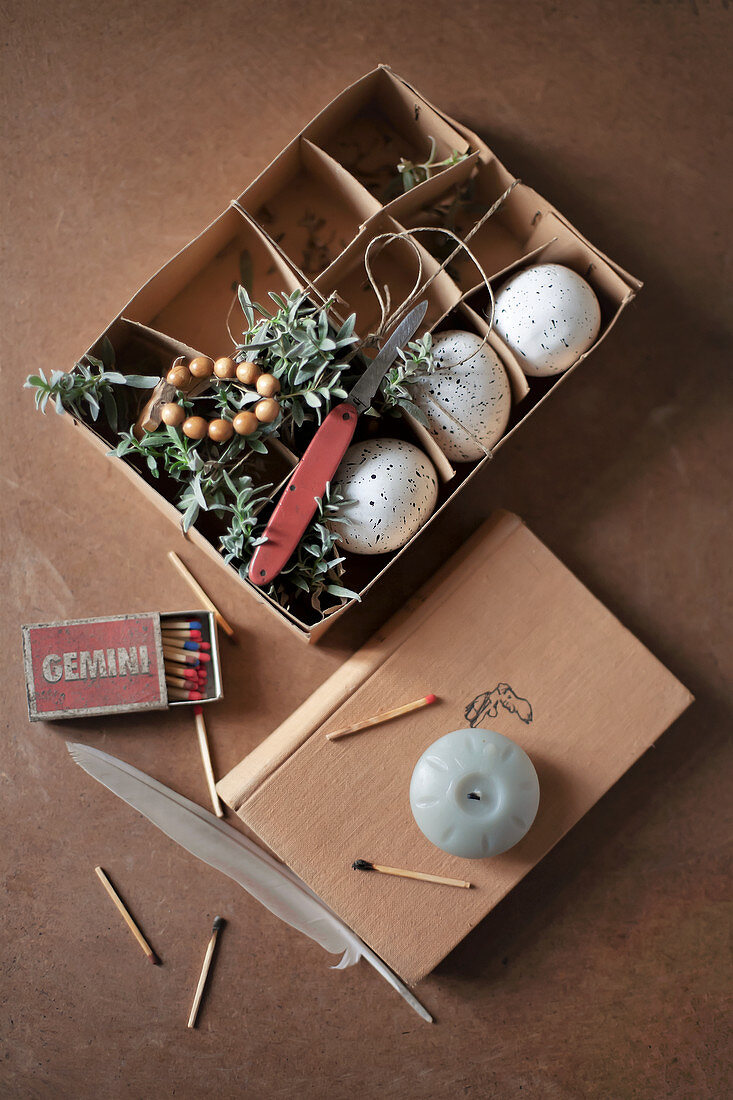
(390,488)
(549,316)
(471,385)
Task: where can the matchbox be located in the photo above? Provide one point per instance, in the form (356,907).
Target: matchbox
(117,664)
(305,224)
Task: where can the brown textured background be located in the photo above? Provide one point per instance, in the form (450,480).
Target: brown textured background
(605,973)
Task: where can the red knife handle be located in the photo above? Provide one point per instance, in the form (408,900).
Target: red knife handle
(300,497)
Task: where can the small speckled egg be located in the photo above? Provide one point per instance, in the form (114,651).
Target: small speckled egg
(549,316)
(470,384)
(390,488)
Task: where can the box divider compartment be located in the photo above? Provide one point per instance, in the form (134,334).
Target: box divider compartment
(309,205)
(375,123)
(396,265)
(193,296)
(406,207)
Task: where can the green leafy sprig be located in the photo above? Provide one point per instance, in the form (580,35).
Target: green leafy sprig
(414,363)
(297,344)
(244,527)
(205,469)
(316,567)
(88,389)
(412,173)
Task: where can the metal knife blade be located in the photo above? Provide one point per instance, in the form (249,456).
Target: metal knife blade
(363,392)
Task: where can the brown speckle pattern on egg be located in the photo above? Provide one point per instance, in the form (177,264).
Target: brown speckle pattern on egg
(548,315)
(390,488)
(476,393)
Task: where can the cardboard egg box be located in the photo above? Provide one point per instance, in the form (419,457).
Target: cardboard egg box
(306,222)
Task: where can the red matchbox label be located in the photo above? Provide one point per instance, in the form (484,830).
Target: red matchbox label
(94,666)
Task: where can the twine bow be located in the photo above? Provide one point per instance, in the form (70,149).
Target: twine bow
(389,318)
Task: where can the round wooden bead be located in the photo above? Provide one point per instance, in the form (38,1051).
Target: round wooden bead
(220,430)
(195,427)
(179,376)
(248,373)
(172,414)
(245,423)
(267,385)
(267,410)
(201,367)
(225,367)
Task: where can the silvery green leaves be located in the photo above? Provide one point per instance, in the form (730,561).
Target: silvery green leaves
(167,449)
(414,363)
(412,173)
(297,344)
(316,567)
(238,543)
(87,389)
(212,489)
(203,468)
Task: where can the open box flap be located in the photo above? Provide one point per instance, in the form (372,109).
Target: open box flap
(503,612)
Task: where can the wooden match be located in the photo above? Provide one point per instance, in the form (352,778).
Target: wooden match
(365,865)
(186,625)
(126,916)
(183,656)
(207,601)
(180,682)
(385,716)
(218,923)
(183,695)
(206,758)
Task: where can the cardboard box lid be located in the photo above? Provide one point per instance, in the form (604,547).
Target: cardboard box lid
(503,610)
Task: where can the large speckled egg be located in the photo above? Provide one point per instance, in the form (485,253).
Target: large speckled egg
(549,316)
(390,488)
(471,385)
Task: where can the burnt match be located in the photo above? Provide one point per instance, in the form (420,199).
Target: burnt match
(366,865)
(218,923)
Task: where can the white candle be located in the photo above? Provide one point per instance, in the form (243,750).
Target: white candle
(474,793)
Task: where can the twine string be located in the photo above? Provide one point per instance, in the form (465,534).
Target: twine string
(388,319)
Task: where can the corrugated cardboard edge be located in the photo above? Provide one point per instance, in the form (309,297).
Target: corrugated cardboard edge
(270,754)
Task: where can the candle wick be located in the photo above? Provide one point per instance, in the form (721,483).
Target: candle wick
(475,795)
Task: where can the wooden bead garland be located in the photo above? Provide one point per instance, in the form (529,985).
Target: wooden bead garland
(183,376)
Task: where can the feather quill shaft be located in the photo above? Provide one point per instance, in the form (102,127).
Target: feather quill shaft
(222,847)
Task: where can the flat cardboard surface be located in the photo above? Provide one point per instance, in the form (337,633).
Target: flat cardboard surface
(589,699)
(605,972)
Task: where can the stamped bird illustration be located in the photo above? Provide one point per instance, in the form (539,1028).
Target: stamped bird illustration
(487,705)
